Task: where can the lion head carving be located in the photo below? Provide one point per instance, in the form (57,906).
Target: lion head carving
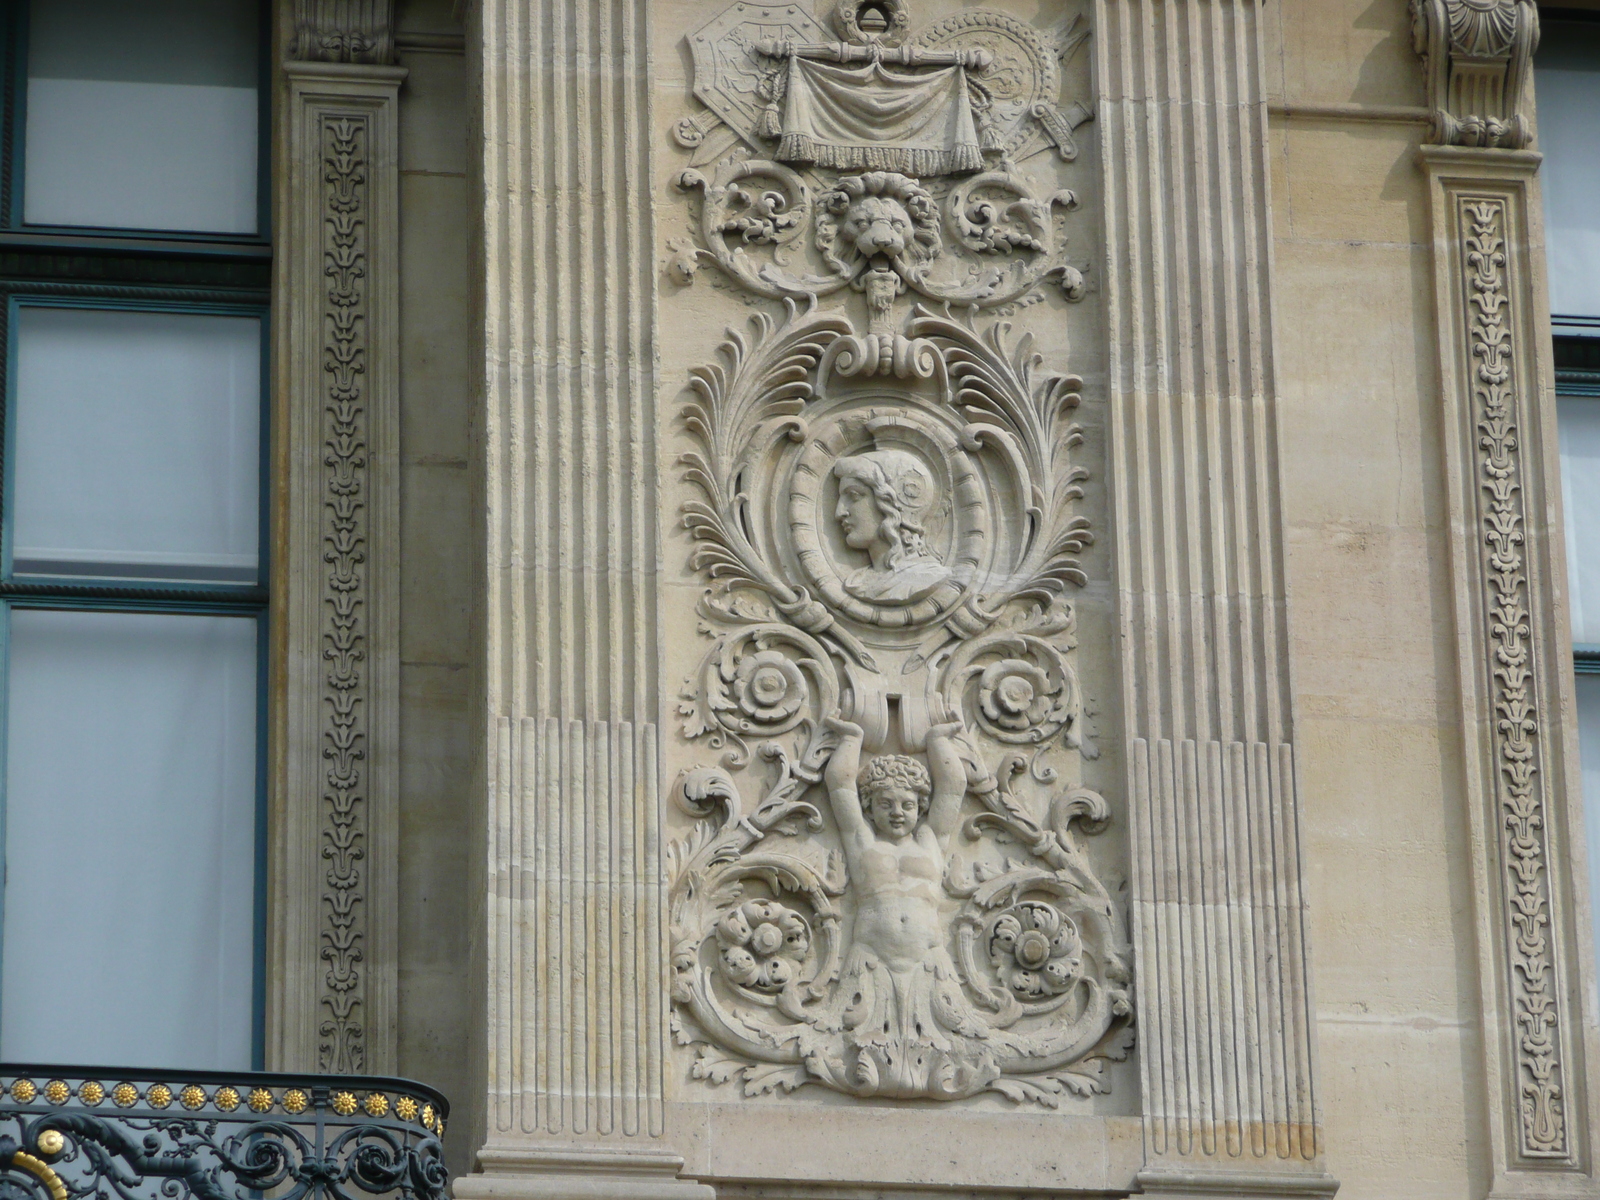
(879,218)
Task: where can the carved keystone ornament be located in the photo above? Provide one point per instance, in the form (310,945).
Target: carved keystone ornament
(899,903)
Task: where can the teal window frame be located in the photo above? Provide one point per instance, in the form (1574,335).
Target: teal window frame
(1576,339)
(13,127)
(159,271)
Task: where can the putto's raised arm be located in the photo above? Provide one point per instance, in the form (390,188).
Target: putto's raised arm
(840,778)
(949,777)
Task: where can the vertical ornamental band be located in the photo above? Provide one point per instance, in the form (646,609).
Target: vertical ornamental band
(1540,1035)
(1523,790)
(1227,1044)
(333,1007)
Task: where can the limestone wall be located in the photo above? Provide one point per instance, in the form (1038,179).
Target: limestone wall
(1271,683)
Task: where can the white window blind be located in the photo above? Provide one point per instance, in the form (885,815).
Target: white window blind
(1567,84)
(130,813)
(142,116)
(138,445)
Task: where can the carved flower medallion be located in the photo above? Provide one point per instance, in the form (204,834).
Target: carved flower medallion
(1036,950)
(761,945)
(1015,695)
(769,686)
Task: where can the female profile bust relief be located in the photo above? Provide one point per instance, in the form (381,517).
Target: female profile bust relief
(885,497)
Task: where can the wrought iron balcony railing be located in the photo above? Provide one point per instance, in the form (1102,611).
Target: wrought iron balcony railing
(70,1133)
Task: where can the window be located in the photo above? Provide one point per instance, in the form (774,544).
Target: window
(1567,80)
(134,269)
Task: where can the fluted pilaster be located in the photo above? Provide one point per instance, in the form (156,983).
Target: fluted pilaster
(576,1007)
(1227,1053)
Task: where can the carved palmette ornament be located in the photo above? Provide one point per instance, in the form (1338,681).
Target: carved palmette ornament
(886,516)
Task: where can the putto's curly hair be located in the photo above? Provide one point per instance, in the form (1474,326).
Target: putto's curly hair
(894,770)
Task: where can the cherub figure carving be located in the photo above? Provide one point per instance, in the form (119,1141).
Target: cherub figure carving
(910,1031)
(885,498)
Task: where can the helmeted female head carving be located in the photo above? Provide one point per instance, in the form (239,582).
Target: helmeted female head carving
(885,499)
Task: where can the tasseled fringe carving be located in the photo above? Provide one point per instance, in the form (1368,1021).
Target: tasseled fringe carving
(797,147)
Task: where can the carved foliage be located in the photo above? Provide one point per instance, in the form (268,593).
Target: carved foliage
(945,464)
(1519,792)
(345,585)
(1476,54)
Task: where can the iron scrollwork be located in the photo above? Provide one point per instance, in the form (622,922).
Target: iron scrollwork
(68,1135)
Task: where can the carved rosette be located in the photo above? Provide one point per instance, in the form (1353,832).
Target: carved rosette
(1519,788)
(345,681)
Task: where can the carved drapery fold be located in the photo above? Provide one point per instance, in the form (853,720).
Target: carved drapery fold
(344,31)
(1523,788)
(336,778)
(1227,1054)
(1477,55)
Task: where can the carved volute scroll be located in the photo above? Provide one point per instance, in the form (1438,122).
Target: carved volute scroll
(345,31)
(888,888)
(1477,55)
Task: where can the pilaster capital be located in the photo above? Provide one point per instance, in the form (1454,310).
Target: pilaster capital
(1476,55)
(345,31)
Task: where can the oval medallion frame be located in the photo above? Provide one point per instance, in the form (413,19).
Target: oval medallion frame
(862,430)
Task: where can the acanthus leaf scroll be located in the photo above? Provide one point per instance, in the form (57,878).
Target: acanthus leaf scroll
(886,516)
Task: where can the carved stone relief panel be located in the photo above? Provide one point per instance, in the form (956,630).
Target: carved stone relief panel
(335,770)
(1522,797)
(888,879)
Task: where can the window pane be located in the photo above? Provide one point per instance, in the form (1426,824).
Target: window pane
(143,115)
(1579,422)
(1589,753)
(138,445)
(1567,80)
(130,829)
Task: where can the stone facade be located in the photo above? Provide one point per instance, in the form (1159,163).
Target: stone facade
(908,597)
